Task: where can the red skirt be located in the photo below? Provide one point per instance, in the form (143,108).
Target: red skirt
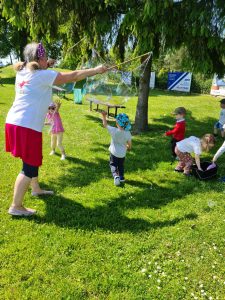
(25,143)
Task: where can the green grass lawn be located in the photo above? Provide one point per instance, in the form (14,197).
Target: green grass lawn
(160,236)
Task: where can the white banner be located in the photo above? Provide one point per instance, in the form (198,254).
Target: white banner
(218,86)
(127,77)
(152,81)
(179,81)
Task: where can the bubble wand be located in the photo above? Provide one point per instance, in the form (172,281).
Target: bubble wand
(129,60)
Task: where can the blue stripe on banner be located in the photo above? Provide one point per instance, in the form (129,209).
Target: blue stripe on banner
(177,81)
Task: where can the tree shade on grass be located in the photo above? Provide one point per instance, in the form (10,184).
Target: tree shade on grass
(160,236)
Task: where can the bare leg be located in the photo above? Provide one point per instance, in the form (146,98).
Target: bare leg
(53,142)
(21,186)
(36,189)
(215,131)
(59,144)
(222,133)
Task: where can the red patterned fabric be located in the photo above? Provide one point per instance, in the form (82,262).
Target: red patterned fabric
(25,143)
(185,161)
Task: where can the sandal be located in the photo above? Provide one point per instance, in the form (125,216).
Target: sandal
(17,212)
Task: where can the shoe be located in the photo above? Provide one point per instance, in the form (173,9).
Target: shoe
(116,180)
(63,157)
(122,179)
(17,212)
(52,152)
(42,193)
(178,170)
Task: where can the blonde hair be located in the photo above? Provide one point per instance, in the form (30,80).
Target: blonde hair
(30,58)
(207,142)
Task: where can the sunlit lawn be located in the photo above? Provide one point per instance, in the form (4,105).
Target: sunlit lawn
(160,236)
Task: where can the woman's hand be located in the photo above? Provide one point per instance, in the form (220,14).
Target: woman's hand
(101,69)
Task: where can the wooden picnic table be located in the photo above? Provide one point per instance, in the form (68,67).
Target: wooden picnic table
(60,91)
(107,104)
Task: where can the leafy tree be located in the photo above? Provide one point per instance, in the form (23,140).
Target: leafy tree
(12,40)
(140,25)
(197,25)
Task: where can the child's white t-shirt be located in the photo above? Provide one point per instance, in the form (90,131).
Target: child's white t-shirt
(33,96)
(118,145)
(190,145)
(222,117)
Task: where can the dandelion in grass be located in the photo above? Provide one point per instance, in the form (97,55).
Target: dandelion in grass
(211,203)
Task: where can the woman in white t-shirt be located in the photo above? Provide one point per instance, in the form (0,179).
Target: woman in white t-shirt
(25,119)
(194,145)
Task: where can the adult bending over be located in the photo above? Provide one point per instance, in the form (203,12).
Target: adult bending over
(25,119)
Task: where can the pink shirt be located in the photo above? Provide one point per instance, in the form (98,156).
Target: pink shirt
(56,122)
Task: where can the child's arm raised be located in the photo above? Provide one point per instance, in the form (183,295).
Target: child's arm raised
(104,121)
(57,104)
(197,160)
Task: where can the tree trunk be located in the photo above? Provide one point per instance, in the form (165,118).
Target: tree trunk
(141,118)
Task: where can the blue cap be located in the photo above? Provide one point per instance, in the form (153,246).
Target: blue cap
(123,121)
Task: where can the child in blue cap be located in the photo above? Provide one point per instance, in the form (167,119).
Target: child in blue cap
(120,143)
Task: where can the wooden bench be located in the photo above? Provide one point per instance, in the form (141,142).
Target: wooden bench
(107,104)
(59,91)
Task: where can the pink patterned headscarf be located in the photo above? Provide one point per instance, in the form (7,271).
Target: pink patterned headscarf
(40,50)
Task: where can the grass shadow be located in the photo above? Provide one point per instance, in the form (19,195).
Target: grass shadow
(67,213)
(7,80)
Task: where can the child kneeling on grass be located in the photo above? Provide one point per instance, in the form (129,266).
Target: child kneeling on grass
(194,145)
(120,143)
